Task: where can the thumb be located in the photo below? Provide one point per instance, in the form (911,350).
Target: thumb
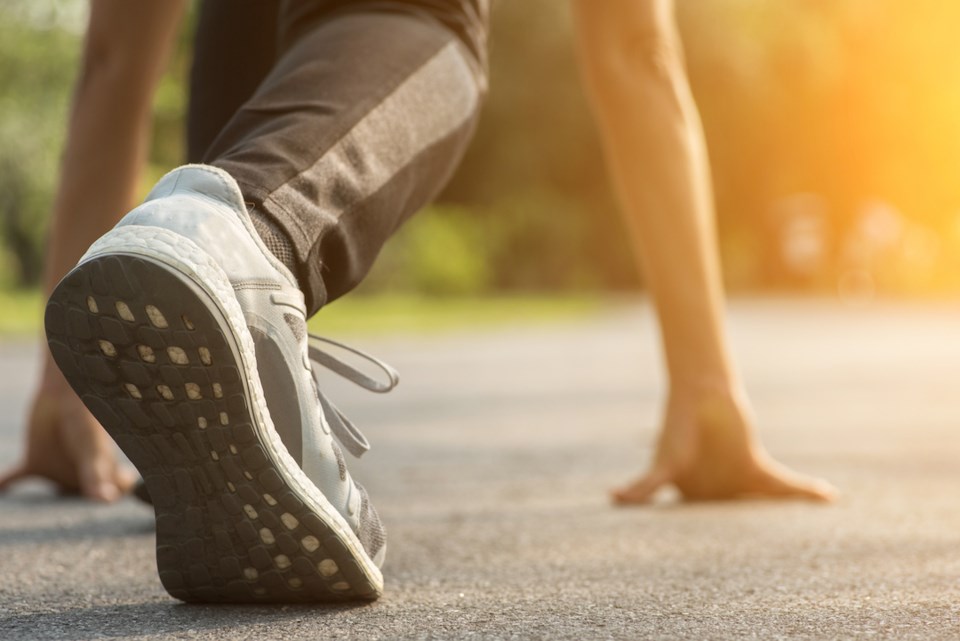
(13,475)
(642,490)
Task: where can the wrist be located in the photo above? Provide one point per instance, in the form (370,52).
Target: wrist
(704,385)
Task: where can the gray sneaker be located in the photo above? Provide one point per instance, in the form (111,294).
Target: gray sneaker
(187,340)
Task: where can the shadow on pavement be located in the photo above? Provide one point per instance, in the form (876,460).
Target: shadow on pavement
(29,520)
(132,620)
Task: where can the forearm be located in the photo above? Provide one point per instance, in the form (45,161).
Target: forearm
(124,54)
(105,151)
(654,145)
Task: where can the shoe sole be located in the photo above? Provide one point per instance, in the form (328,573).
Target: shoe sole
(154,358)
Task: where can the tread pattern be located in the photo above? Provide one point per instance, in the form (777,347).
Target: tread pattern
(153,359)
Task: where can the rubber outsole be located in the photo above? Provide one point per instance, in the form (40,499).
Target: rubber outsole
(153,358)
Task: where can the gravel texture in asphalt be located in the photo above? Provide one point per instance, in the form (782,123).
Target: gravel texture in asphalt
(490,466)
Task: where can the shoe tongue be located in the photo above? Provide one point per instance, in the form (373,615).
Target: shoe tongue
(203,180)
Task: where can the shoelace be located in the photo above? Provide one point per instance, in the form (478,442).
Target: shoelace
(346,432)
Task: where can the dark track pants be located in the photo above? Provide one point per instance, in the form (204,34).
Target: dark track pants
(339,118)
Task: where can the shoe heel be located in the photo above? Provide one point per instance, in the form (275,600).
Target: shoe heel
(151,355)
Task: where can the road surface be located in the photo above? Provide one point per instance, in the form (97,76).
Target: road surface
(490,465)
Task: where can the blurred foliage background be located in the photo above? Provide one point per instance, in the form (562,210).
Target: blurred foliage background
(833,127)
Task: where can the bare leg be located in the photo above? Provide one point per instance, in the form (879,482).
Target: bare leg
(633,64)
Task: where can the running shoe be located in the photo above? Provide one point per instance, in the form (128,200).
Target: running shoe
(187,339)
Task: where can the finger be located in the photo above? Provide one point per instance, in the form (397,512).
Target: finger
(643,489)
(125,479)
(13,475)
(96,479)
(780,482)
(90,449)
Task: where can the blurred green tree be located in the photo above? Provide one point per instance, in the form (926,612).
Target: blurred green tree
(850,108)
(38,60)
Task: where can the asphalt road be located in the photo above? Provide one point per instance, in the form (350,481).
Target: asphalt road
(490,465)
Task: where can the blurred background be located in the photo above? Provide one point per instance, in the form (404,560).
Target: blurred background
(833,127)
(834,132)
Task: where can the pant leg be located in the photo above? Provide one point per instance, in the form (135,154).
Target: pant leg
(360,122)
(235,46)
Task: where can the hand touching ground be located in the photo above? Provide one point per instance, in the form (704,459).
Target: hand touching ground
(66,445)
(708,450)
